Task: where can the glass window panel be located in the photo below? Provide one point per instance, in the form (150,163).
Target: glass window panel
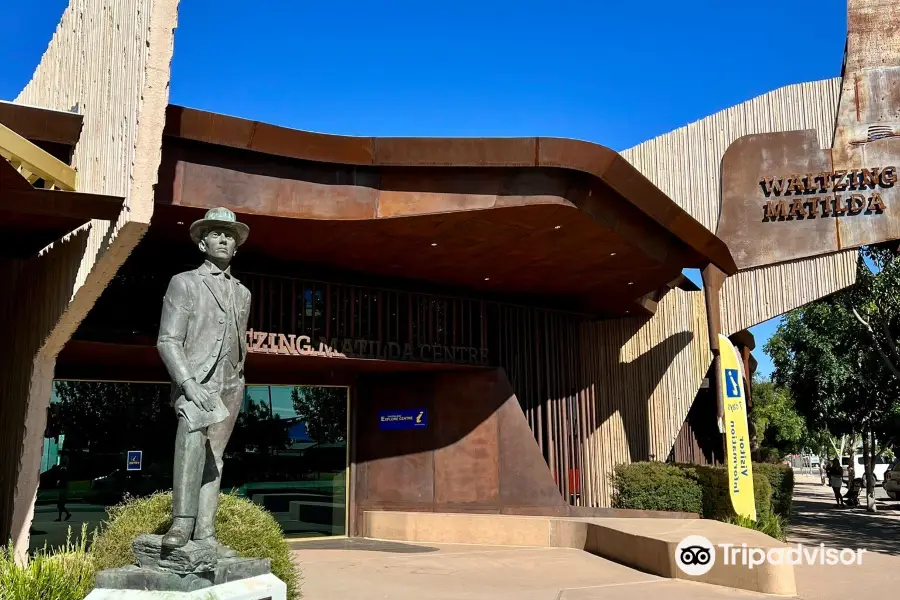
(288,453)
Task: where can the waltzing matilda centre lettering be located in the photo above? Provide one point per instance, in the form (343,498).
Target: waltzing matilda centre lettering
(264,342)
(850,194)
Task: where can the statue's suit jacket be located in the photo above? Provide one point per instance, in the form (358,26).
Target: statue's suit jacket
(192,328)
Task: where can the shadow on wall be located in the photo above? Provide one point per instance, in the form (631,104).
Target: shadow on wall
(475,450)
(38,291)
(631,396)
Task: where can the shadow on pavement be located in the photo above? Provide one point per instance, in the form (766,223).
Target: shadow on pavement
(816,521)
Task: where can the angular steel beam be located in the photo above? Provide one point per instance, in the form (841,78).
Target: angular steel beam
(35,163)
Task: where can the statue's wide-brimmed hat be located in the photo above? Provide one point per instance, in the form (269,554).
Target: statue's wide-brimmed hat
(219,217)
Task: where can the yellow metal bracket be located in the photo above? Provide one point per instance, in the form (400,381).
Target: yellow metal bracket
(34,162)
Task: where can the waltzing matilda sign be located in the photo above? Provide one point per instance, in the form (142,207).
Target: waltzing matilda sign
(264,342)
(849,193)
(786,195)
(784,198)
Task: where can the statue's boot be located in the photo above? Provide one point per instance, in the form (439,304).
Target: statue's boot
(222,551)
(179,533)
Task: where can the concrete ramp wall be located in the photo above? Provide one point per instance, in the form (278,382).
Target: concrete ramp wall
(645,544)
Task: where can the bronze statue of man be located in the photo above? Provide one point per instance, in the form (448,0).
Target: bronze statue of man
(202,343)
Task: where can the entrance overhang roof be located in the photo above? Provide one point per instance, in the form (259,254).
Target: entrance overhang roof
(38,201)
(529,215)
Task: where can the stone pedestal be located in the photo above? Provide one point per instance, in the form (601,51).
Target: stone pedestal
(261,587)
(190,558)
(189,568)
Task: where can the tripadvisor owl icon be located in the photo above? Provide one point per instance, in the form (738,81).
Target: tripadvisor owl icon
(695,555)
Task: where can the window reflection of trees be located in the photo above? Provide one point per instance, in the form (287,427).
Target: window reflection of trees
(324,411)
(101,421)
(292,453)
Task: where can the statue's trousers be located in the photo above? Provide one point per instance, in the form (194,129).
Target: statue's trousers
(198,454)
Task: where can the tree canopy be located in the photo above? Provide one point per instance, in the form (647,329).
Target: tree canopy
(775,420)
(838,356)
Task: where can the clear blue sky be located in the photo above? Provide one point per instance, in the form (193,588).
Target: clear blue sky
(615,73)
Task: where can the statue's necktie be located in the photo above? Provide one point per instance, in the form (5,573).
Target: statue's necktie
(226,287)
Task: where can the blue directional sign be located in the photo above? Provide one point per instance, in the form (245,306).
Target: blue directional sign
(732,383)
(135,457)
(398,420)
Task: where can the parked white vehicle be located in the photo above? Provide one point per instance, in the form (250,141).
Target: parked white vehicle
(892,481)
(881,467)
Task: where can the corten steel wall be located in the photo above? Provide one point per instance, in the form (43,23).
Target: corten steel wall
(108,60)
(685,164)
(475,455)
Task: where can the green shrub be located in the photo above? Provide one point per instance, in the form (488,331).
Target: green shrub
(240,524)
(769,456)
(655,486)
(702,490)
(713,484)
(65,574)
(716,500)
(781,478)
(762,493)
(771,524)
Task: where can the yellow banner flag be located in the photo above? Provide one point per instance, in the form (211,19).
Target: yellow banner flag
(737,436)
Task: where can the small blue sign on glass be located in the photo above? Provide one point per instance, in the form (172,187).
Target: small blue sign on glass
(135,458)
(732,383)
(399,420)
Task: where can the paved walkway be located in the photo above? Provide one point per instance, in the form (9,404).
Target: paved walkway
(817,520)
(369,570)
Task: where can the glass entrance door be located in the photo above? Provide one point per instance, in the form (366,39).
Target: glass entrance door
(294,459)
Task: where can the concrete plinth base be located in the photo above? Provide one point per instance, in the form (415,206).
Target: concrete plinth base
(261,587)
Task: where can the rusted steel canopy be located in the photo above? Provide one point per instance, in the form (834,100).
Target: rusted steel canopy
(31,218)
(40,124)
(556,222)
(597,162)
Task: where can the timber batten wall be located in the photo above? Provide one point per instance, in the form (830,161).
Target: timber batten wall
(108,60)
(686,165)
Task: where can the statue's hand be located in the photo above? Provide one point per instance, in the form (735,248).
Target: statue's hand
(197,394)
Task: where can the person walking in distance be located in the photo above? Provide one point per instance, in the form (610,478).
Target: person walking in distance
(202,344)
(62,483)
(835,480)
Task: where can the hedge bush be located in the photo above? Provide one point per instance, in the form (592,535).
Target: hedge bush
(699,489)
(713,483)
(655,486)
(240,524)
(781,478)
(64,574)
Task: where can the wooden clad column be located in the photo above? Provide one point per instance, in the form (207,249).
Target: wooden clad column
(713,279)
